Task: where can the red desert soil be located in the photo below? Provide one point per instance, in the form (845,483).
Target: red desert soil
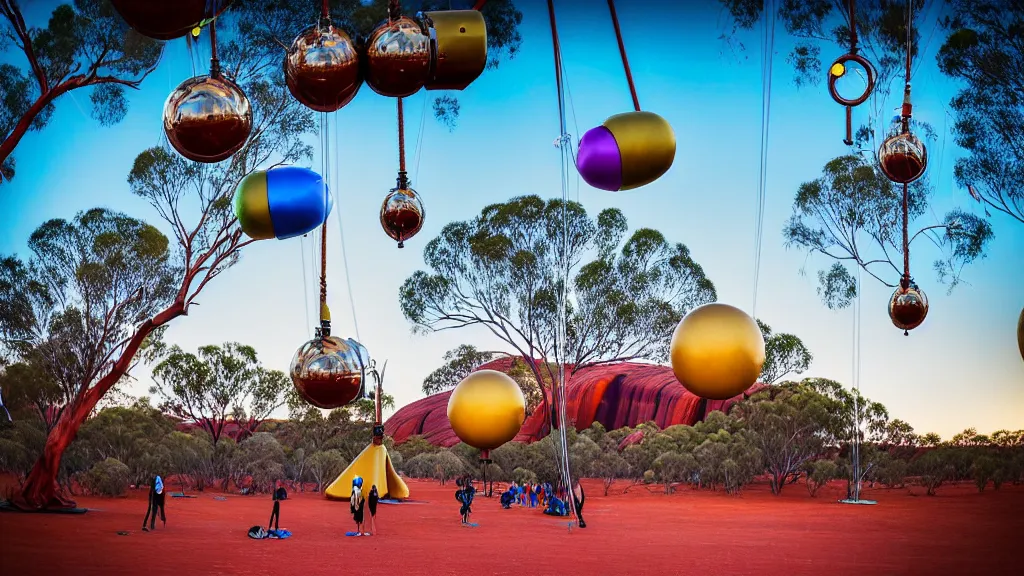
(957,532)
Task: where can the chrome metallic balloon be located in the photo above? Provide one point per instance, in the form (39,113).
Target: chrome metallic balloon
(329,372)
(402,214)
(207,119)
(908,307)
(903,157)
(322,68)
(398,58)
(167,19)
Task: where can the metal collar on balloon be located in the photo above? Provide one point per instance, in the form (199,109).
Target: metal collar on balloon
(838,69)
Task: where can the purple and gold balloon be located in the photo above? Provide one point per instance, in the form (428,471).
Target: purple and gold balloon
(628,151)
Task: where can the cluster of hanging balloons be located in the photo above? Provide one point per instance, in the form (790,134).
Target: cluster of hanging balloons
(903,159)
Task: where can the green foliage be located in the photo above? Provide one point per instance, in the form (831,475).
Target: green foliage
(107,478)
(325,466)
(261,457)
(133,435)
(609,466)
(458,363)
(983,53)
(852,202)
(819,473)
(933,468)
(503,269)
(784,354)
(441,466)
(85,44)
(219,382)
(984,470)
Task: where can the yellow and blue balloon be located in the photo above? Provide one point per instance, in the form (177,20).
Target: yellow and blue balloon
(628,151)
(282,202)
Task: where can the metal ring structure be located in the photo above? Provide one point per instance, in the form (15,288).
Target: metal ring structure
(832,79)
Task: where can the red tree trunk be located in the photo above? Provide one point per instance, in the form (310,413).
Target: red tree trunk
(41,489)
(21,128)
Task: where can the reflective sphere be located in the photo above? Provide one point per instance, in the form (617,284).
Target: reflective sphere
(903,158)
(207,119)
(328,373)
(486,409)
(322,68)
(908,308)
(1020,333)
(397,58)
(717,351)
(167,19)
(402,214)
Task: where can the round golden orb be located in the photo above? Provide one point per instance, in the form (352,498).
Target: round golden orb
(322,68)
(402,214)
(398,58)
(903,157)
(486,409)
(717,351)
(207,118)
(908,307)
(329,372)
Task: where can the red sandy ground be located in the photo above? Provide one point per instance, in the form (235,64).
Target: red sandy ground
(640,532)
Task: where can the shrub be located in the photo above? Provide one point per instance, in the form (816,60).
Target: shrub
(649,477)
(107,478)
(983,470)
(523,476)
(893,474)
(819,473)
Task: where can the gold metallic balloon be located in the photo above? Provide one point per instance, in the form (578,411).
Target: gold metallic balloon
(167,19)
(402,214)
(398,58)
(486,409)
(717,351)
(903,157)
(322,68)
(329,372)
(1020,333)
(207,119)
(647,145)
(908,307)
(460,52)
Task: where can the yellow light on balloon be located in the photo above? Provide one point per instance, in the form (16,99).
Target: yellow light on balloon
(717,351)
(838,69)
(196,31)
(486,409)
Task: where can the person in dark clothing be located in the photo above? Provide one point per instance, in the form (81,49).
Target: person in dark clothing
(275,517)
(465,496)
(156,501)
(372,501)
(578,497)
(356,504)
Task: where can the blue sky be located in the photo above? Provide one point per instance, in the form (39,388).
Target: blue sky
(961,368)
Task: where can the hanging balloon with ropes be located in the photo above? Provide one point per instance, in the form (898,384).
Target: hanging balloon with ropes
(168,19)
(840,69)
(629,150)
(903,159)
(322,66)
(208,118)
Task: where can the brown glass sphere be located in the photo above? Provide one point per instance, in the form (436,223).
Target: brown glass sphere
(207,119)
(903,157)
(402,214)
(398,58)
(167,19)
(908,307)
(329,372)
(322,68)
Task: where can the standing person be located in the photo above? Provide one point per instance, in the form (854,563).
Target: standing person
(356,503)
(372,501)
(467,499)
(279,494)
(579,497)
(156,500)
(534,492)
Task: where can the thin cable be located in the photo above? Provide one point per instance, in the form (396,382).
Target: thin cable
(214,61)
(419,139)
(305,284)
(622,52)
(766,81)
(341,236)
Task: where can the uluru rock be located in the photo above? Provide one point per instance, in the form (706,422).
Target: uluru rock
(616,395)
